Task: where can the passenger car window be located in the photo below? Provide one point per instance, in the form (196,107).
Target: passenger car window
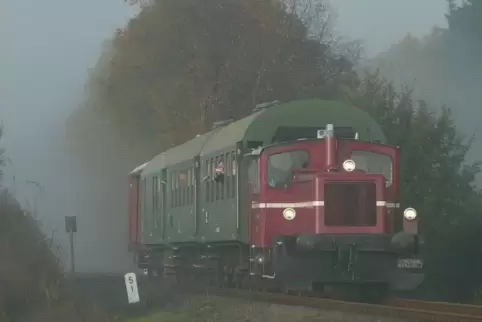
(253,175)
(373,162)
(281,166)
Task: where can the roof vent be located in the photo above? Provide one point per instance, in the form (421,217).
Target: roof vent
(221,123)
(261,106)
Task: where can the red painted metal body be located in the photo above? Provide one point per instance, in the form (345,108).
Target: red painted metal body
(306,193)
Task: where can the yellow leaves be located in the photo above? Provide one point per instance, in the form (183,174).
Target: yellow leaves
(197,61)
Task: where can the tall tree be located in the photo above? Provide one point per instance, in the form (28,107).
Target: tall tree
(181,65)
(465,19)
(445,68)
(435,179)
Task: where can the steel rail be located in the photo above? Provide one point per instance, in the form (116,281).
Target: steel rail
(444,307)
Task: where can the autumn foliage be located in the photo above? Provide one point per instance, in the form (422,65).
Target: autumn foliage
(186,64)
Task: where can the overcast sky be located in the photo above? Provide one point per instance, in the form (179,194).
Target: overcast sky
(380,23)
(46,50)
(47,46)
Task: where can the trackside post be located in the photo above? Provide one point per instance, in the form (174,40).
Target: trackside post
(71,228)
(132,289)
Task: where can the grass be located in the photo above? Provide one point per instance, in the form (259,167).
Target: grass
(192,309)
(163,317)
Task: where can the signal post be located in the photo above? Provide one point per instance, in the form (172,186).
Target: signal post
(71,228)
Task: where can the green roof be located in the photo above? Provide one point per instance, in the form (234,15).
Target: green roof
(262,125)
(177,154)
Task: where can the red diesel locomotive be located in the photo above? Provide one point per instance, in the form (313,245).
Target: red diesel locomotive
(298,196)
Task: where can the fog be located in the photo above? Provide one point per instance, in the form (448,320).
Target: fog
(380,23)
(47,48)
(441,70)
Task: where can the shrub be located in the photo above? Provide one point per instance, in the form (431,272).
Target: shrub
(30,273)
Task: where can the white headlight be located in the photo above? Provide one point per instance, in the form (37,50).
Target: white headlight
(410,214)
(289,213)
(349,165)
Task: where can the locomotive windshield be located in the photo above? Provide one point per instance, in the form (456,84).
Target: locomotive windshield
(373,162)
(281,166)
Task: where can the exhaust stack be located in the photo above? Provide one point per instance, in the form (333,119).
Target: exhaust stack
(330,148)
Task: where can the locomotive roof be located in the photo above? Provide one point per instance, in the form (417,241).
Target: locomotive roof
(262,125)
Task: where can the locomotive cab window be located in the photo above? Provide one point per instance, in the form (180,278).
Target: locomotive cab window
(373,162)
(281,166)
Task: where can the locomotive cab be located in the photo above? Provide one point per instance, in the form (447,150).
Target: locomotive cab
(325,209)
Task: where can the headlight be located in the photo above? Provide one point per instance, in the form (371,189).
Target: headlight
(259,259)
(410,214)
(349,165)
(289,213)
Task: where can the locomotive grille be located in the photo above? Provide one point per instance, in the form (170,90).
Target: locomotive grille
(350,204)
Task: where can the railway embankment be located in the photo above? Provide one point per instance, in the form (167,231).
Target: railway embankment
(168,302)
(204,308)
(33,287)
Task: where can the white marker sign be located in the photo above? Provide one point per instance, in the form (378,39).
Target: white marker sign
(131,286)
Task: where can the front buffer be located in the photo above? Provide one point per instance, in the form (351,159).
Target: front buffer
(319,262)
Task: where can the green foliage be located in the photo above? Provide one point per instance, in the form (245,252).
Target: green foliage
(443,68)
(29,271)
(463,39)
(434,179)
(466,19)
(427,137)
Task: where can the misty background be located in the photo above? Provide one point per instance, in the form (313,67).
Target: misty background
(46,53)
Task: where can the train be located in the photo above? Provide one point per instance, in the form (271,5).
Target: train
(298,196)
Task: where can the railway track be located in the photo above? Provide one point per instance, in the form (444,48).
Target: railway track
(441,307)
(412,310)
